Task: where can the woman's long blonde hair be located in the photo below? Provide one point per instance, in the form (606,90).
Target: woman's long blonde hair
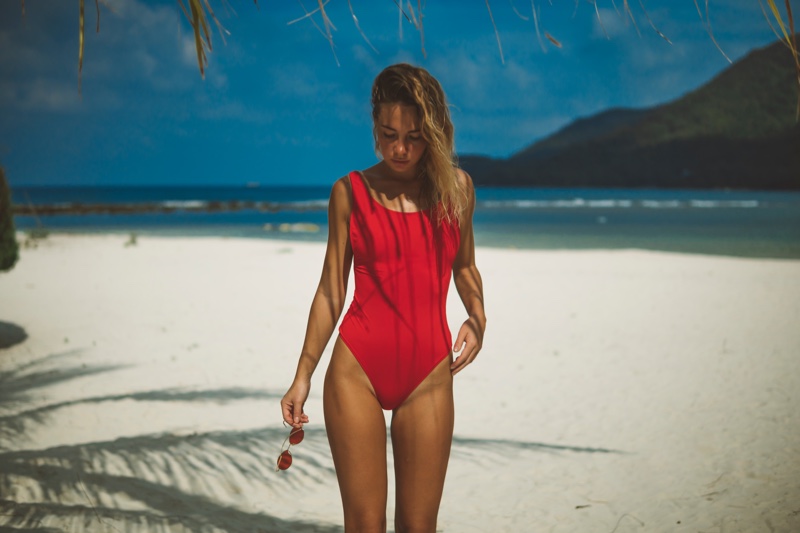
(414,86)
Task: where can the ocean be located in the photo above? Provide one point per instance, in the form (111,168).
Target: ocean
(736,223)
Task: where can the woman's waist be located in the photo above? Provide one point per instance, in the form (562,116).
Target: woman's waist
(406,310)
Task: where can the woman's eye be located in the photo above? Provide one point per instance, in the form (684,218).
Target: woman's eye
(414,138)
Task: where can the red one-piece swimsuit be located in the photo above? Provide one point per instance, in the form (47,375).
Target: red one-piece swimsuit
(396,326)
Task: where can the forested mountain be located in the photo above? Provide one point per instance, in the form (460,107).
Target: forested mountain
(739,130)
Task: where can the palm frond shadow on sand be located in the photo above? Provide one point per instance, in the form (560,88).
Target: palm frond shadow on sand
(180,481)
(12,427)
(166,482)
(19,384)
(20,387)
(148,483)
(11,334)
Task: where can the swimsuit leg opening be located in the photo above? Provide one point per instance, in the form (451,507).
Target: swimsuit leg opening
(422,435)
(356,430)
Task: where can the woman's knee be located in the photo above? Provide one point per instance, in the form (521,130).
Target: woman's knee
(365,522)
(414,523)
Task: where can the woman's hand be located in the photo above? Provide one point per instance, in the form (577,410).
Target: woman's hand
(292,404)
(468,344)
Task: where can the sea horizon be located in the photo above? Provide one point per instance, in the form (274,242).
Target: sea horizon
(752,223)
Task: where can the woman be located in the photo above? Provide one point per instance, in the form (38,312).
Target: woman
(406,225)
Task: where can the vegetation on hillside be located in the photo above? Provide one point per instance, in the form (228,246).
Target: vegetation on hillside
(9,249)
(750,101)
(737,131)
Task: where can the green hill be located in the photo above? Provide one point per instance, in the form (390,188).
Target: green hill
(737,131)
(582,130)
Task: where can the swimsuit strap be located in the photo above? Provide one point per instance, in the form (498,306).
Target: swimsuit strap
(359,189)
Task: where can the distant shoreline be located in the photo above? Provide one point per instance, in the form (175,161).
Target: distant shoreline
(732,223)
(213,206)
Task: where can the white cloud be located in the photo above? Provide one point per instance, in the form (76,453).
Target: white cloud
(236,111)
(521,77)
(136,42)
(365,56)
(610,23)
(36,96)
(297,80)
(475,79)
(47,95)
(188,51)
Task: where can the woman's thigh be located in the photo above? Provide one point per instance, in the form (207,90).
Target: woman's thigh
(422,432)
(357,434)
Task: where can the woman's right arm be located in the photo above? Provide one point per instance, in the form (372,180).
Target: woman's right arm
(327,304)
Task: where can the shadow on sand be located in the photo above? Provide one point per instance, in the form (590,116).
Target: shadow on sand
(11,334)
(201,482)
(148,483)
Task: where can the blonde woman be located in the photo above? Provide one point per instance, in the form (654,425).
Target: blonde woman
(405,226)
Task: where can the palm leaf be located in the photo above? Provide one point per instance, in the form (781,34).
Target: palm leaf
(789,38)
(496,33)
(81,19)
(198,13)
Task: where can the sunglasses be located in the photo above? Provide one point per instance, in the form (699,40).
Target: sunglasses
(285,458)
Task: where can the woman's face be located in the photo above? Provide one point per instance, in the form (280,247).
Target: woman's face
(400,141)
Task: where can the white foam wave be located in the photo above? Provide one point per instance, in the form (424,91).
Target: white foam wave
(563,203)
(746,204)
(614,203)
(185,204)
(308,204)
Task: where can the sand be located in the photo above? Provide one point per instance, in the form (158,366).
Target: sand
(617,391)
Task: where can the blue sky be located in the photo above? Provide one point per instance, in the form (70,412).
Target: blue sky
(276,108)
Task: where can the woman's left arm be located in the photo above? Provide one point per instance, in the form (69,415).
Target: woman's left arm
(469,286)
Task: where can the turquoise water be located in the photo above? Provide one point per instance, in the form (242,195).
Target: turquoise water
(740,223)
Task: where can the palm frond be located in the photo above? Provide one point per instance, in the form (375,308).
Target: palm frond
(199,12)
(652,25)
(600,19)
(789,38)
(706,20)
(308,14)
(325,20)
(496,33)
(553,40)
(629,11)
(421,29)
(358,27)
(536,25)
(81,19)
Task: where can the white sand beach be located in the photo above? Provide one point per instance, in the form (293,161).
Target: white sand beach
(617,391)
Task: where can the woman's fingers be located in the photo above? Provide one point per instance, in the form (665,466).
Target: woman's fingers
(287,410)
(467,346)
(466,357)
(292,405)
(298,413)
(293,413)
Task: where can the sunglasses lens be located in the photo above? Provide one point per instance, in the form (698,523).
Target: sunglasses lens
(285,460)
(296,436)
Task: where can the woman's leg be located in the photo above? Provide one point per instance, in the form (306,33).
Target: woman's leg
(422,432)
(357,434)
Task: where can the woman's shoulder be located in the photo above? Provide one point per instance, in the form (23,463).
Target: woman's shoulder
(341,193)
(345,182)
(464,179)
